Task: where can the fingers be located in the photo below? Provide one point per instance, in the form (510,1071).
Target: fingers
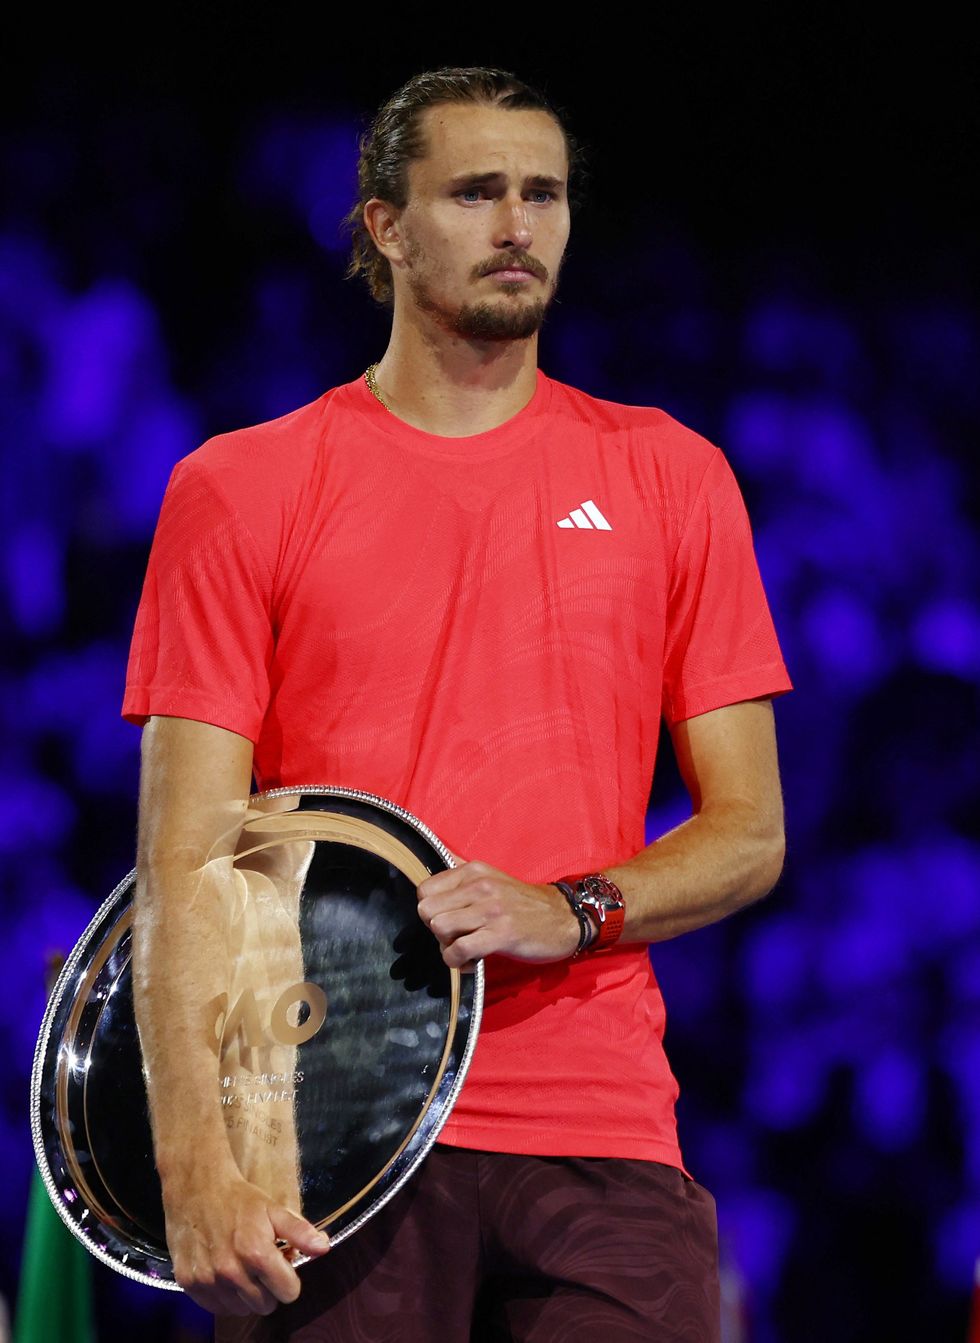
(233,1289)
(464,952)
(458,888)
(473,931)
(457,906)
(455,925)
(251,1273)
(258,1295)
(241,1282)
(442,883)
(228,1287)
(298,1232)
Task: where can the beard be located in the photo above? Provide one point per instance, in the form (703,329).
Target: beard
(512,317)
(498,321)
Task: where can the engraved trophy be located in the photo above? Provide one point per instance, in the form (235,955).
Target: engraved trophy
(340,1042)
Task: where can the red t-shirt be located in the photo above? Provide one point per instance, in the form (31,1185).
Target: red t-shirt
(485,630)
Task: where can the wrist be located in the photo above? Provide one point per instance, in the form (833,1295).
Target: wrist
(587,929)
(598,904)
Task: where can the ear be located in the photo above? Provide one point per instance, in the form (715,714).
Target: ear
(381,220)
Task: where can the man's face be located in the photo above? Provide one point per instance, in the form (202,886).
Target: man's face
(486,222)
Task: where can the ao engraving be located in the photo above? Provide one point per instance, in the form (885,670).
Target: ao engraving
(244,1021)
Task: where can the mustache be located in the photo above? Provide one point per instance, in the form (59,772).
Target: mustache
(516,260)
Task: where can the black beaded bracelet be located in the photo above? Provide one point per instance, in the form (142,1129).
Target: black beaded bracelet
(588,931)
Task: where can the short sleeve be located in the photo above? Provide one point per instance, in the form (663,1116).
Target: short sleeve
(203,638)
(721,643)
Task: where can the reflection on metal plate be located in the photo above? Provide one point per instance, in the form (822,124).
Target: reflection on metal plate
(340,1039)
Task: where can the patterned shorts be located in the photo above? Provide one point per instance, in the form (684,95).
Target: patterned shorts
(484,1247)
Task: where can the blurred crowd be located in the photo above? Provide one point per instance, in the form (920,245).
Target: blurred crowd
(827,1042)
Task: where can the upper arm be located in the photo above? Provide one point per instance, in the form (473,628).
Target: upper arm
(728,756)
(721,646)
(204,636)
(195,781)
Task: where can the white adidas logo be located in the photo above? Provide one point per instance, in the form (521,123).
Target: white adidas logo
(588,517)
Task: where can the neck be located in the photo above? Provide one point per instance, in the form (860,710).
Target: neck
(450,386)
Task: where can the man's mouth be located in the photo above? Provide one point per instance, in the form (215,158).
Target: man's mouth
(516,269)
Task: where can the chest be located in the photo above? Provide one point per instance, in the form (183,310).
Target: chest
(403,550)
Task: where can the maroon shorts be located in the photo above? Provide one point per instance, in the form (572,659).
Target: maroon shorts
(484,1247)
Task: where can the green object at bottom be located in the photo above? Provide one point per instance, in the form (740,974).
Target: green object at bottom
(54,1299)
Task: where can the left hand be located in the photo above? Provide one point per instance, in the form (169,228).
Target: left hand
(475,910)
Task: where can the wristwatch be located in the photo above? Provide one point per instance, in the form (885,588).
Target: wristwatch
(598,905)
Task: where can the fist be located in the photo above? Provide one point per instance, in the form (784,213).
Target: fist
(226,1240)
(475,910)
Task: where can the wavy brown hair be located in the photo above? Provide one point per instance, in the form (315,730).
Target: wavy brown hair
(395,138)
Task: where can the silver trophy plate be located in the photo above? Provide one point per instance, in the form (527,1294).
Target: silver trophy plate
(341,1041)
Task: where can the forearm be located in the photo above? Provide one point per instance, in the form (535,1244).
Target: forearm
(180,966)
(191,922)
(194,785)
(721,859)
(724,857)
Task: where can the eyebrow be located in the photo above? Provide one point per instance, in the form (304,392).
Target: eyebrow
(540,181)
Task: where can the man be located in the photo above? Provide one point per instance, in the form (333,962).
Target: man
(468,588)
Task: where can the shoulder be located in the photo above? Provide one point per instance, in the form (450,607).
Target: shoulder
(248,483)
(259,470)
(646,429)
(675,471)
(272,450)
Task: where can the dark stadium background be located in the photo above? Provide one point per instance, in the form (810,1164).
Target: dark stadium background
(776,248)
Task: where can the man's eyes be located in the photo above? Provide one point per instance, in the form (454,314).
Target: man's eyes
(471,195)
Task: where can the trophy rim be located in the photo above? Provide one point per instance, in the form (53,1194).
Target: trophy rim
(82,948)
(65,977)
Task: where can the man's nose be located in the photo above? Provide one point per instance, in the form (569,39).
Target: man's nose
(513,223)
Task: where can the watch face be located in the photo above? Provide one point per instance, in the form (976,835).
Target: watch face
(601,894)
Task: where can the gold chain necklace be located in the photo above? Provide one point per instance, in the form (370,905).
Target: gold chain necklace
(370,377)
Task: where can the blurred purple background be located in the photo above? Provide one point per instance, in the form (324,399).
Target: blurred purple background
(776,249)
